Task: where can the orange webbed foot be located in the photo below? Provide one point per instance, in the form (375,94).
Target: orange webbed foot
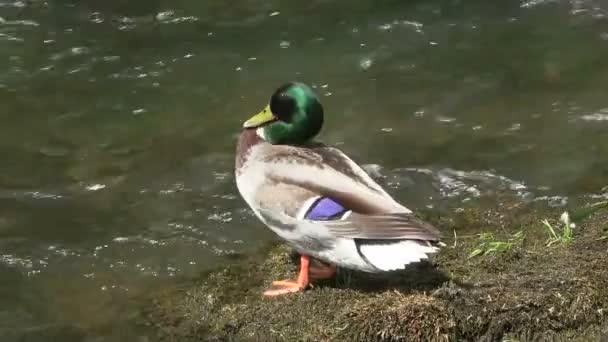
(283,287)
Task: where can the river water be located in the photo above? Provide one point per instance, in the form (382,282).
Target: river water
(119,119)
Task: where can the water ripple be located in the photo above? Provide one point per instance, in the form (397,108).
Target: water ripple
(601,115)
(472,184)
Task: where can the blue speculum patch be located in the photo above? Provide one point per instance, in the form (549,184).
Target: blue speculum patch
(325,209)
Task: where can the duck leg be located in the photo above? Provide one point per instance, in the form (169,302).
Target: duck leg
(320,270)
(282,287)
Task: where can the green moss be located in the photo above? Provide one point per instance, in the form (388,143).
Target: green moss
(529,293)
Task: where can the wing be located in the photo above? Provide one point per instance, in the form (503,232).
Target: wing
(328,172)
(399,226)
(341,222)
(383,227)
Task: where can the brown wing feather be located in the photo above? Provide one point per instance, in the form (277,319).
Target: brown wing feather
(364,196)
(352,201)
(375,214)
(387,226)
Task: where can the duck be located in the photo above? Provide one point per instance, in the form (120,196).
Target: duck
(318,200)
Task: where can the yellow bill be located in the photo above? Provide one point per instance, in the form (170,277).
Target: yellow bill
(260,118)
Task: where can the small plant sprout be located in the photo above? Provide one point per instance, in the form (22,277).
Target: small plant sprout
(563,236)
(565,219)
(490,245)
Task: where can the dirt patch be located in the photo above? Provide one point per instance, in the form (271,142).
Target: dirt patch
(528,292)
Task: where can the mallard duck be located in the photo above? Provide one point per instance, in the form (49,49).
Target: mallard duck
(317,199)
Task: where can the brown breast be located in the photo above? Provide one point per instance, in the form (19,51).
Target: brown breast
(247,139)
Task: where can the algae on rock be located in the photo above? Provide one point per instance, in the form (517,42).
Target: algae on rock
(528,293)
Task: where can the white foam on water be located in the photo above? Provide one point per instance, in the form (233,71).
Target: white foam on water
(599,116)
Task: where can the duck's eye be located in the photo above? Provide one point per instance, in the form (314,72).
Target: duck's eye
(283,106)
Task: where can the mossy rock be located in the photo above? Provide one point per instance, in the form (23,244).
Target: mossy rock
(528,293)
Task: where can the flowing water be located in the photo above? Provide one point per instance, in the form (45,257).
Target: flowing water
(119,119)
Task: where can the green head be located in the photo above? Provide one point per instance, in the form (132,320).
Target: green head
(293,116)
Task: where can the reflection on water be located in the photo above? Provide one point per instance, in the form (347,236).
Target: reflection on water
(119,120)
